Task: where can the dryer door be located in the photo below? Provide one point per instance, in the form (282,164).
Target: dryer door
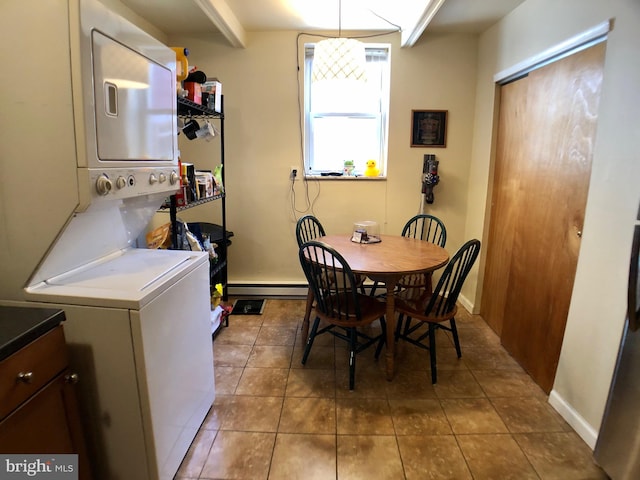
(134,99)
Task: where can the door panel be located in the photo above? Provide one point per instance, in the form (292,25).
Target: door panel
(505,200)
(544,166)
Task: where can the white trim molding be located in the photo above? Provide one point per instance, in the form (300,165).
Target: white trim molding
(573,418)
(574,44)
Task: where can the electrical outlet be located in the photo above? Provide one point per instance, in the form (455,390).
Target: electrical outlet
(293,173)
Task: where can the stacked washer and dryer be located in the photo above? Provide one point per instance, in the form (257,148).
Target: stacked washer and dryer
(88,141)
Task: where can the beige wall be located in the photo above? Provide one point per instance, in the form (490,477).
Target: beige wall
(263,140)
(597,309)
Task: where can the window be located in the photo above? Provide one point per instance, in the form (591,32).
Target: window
(346,123)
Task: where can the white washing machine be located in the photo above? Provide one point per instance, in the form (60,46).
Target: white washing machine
(137,330)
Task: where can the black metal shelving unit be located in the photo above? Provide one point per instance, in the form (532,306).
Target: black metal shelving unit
(218,270)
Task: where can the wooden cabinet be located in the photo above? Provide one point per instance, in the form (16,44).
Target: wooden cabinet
(39,411)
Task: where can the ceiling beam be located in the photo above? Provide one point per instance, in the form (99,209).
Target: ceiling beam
(225,20)
(409,37)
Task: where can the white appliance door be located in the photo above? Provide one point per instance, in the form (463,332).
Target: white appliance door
(134,103)
(174,359)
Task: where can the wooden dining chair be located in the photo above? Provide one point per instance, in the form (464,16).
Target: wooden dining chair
(339,304)
(308,228)
(435,309)
(424,227)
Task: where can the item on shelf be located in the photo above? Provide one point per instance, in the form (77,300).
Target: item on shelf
(213,88)
(207,131)
(182,64)
(216,295)
(204,180)
(196,76)
(159,237)
(191,128)
(219,186)
(189,181)
(194,91)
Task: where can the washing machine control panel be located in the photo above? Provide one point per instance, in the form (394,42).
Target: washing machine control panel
(121,183)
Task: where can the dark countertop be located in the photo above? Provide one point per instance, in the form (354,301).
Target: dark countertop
(22,325)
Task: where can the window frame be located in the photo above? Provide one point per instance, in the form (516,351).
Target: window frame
(371,50)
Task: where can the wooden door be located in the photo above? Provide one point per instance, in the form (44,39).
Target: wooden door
(543,166)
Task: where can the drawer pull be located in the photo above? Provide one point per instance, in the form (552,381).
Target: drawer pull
(71,378)
(25,377)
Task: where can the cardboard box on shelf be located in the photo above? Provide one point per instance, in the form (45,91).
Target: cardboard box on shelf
(214,88)
(194,92)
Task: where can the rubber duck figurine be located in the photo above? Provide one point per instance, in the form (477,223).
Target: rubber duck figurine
(371,170)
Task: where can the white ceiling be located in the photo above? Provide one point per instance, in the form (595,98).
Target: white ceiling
(236,17)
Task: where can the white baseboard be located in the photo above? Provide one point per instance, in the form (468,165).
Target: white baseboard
(296,290)
(464,301)
(573,418)
(268,289)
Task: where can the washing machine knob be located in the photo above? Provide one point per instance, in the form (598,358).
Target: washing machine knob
(103,185)
(162,177)
(120,183)
(173,178)
(153,179)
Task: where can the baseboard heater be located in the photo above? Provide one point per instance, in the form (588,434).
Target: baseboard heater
(295,290)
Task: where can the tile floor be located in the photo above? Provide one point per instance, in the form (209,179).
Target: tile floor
(274,418)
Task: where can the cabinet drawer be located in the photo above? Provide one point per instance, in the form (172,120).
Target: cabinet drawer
(43,359)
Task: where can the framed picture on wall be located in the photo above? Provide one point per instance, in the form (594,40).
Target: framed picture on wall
(429,128)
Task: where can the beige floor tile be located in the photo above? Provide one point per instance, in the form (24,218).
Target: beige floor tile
(560,456)
(507,383)
(270,356)
(457,384)
(419,417)
(495,457)
(311,382)
(472,415)
(225,355)
(319,357)
(251,414)
(366,416)
(489,358)
(238,336)
(196,457)
(304,457)
(276,335)
(472,337)
(528,415)
(308,415)
(240,455)
(244,321)
(413,384)
(369,383)
(263,382)
(433,457)
(274,416)
(227,379)
(368,457)
(214,417)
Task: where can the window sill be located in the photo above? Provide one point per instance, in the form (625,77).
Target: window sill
(344,177)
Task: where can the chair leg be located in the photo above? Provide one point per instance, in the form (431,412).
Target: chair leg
(432,352)
(312,336)
(373,289)
(383,337)
(353,345)
(307,314)
(454,332)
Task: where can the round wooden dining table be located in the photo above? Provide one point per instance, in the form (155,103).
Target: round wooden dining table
(387,262)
